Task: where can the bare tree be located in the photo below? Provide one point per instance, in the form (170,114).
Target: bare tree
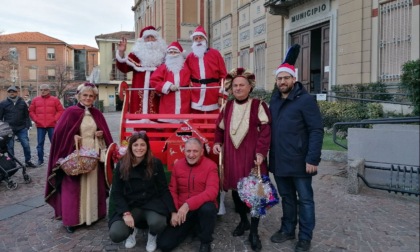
(6,63)
(63,80)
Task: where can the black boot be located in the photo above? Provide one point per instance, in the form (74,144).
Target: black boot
(255,241)
(241,228)
(70,229)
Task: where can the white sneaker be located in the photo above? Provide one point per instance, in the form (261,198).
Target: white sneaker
(151,243)
(131,240)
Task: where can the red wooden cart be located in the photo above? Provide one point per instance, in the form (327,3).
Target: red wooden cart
(163,136)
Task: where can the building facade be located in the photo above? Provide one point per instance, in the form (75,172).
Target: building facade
(342,42)
(29,59)
(109,76)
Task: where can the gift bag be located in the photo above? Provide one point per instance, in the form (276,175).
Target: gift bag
(79,161)
(258,192)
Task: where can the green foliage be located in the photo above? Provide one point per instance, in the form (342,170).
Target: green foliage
(410,79)
(333,112)
(374,110)
(372,91)
(328,143)
(261,94)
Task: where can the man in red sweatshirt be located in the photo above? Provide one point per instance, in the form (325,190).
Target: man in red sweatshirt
(194,187)
(45,110)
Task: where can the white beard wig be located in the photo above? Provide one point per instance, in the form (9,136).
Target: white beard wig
(199,48)
(151,54)
(174,63)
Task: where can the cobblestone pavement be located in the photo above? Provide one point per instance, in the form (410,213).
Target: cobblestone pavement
(374,220)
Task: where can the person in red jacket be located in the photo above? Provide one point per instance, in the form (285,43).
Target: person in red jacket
(45,110)
(194,187)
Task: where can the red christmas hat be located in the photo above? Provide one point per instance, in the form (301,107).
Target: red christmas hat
(199,31)
(175,45)
(148,30)
(286,67)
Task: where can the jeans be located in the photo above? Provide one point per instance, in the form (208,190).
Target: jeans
(22,135)
(41,132)
(297,198)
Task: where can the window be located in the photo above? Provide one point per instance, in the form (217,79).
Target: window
(50,53)
(395,38)
(244,58)
(51,74)
(32,74)
(259,65)
(228,61)
(189,11)
(31,53)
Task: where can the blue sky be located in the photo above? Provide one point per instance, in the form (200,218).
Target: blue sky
(74,22)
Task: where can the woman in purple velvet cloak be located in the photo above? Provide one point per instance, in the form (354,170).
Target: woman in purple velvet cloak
(78,199)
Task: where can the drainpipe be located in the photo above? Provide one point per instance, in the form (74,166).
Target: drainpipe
(209,20)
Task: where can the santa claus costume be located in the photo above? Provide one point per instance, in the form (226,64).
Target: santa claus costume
(168,79)
(144,58)
(207,70)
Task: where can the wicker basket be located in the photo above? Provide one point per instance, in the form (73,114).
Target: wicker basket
(80,161)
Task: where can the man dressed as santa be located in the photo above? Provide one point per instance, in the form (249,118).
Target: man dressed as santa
(168,79)
(146,55)
(207,70)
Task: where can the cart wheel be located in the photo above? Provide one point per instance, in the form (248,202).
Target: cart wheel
(27,179)
(11,185)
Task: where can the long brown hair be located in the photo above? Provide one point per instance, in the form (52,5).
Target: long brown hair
(127,161)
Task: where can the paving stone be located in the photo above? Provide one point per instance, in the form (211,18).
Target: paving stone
(373,220)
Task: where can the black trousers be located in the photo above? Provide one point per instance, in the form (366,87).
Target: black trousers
(204,217)
(156,222)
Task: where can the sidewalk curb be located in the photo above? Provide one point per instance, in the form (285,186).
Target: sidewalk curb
(336,156)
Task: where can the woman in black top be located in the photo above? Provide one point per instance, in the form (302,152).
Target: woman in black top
(140,194)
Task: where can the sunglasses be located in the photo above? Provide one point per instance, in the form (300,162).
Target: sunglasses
(139,133)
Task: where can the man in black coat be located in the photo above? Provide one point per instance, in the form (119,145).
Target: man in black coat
(14,111)
(296,142)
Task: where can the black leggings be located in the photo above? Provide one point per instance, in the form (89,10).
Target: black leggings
(242,209)
(119,231)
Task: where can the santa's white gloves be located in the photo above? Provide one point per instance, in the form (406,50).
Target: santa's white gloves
(173,88)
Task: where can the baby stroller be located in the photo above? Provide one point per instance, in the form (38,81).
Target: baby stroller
(9,165)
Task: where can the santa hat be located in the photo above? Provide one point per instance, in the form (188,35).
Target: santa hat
(286,67)
(175,45)
(149,30)
(289,61)
(199,31)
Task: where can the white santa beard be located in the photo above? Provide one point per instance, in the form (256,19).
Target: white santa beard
(174,63)
(151,54)
(199,50)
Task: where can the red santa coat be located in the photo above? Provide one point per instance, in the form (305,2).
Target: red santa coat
(141,79)
(172,102)
(206,72)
